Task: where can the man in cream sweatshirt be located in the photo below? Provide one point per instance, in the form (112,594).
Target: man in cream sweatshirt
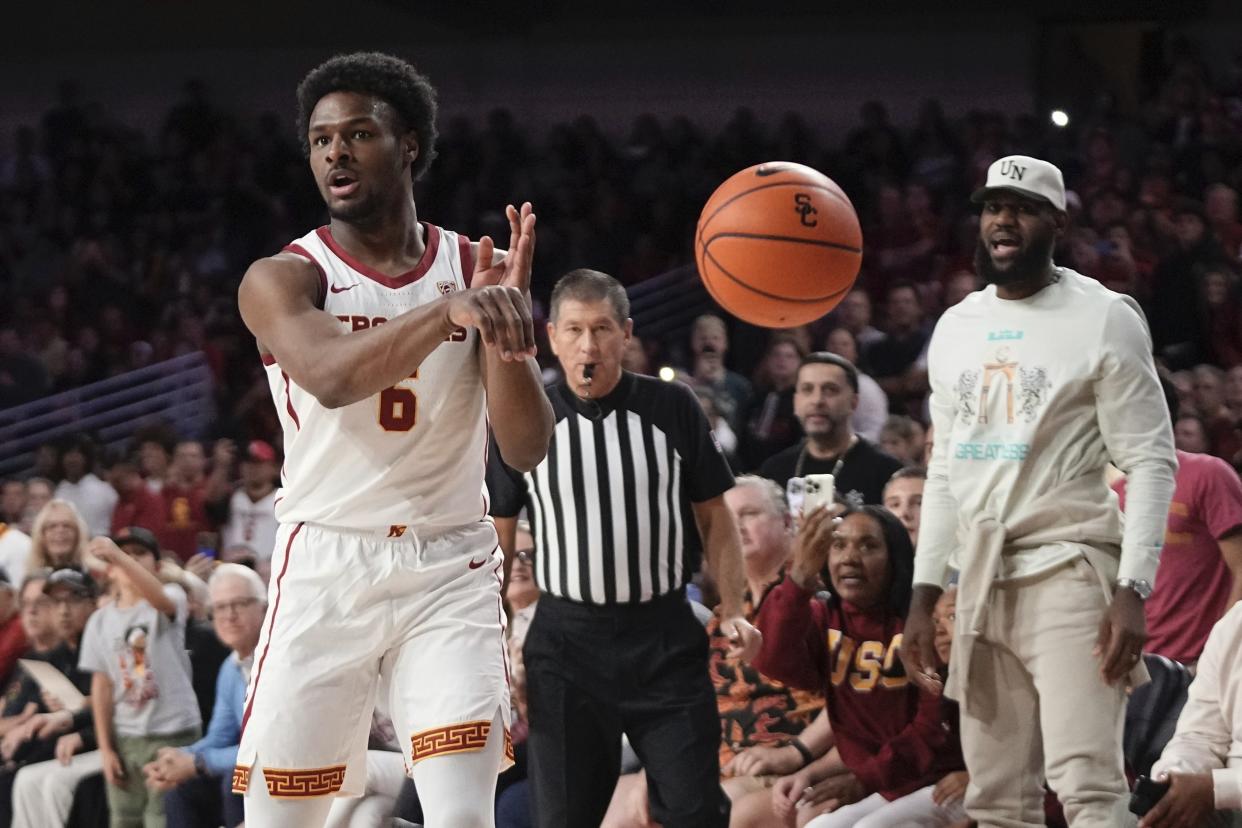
(1038,382)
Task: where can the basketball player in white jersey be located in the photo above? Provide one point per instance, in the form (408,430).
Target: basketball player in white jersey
(389,344)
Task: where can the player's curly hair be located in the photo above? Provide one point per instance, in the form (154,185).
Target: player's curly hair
(388,78)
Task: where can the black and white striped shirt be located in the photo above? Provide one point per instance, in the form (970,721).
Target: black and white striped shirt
(610,505)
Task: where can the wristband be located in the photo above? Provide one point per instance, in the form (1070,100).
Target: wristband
(802,749)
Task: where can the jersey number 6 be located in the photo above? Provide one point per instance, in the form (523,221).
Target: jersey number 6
(398,408)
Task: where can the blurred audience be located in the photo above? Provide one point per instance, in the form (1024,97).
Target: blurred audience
(95,500)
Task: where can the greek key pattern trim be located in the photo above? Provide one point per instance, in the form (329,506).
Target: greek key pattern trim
(455,738)
(292,783)
(241,779)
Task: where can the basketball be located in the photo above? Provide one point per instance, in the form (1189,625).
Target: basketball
(778,245)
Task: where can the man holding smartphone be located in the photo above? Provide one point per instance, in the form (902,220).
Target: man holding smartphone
(825,397)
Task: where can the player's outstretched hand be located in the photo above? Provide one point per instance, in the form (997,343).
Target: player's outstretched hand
(514,269)
(918,652)
(502,315)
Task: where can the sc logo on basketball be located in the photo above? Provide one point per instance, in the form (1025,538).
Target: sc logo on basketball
(805,209)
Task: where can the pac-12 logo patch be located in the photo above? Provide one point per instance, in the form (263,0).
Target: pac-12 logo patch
(446,287)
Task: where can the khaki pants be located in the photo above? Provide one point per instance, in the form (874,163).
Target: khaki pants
(1040,707)
(132,804)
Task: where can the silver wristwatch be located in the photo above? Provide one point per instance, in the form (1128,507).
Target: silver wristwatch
(1140,587)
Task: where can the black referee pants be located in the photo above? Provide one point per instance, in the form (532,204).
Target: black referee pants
(595,672)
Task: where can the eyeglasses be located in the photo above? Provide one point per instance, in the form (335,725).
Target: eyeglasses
(526,556)
(229,607)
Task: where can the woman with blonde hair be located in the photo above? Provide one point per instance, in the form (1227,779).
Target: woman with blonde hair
(58,538)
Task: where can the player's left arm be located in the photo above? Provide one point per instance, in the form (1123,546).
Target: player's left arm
(520,414)
(1134,423)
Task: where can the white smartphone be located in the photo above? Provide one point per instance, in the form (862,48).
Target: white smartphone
(818,490)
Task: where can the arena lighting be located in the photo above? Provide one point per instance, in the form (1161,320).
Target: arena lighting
(1060,118)
(668,374)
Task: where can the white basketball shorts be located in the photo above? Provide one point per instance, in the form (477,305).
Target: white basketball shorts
(352,614)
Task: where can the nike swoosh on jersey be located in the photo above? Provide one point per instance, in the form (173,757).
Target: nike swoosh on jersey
(476,564)
(336,289)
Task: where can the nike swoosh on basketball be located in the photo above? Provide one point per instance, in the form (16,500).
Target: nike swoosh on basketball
(336,289)
(771,169)
(476,564)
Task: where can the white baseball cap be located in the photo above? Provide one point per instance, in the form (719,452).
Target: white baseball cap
(1024,176)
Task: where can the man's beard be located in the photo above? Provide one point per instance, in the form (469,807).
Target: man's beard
(829,432)
(1027,266)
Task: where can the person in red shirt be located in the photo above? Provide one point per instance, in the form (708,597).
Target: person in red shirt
(1200,572)
(185,500)
(187,490)
(891,739)
(138,505)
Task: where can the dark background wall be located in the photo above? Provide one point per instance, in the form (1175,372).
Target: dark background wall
(551,61)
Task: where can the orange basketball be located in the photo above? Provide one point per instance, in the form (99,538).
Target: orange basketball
(778,245)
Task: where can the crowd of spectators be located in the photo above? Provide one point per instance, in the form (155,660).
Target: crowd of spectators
(123,245)
(120,247)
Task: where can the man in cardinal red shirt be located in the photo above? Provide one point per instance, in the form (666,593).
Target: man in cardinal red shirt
(138,505)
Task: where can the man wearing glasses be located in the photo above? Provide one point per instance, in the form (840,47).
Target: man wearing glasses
(521,591)
(198,777)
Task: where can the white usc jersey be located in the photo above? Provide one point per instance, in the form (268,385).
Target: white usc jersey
(412,455)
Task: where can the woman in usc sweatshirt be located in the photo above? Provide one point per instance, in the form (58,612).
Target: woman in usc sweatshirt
(893,741)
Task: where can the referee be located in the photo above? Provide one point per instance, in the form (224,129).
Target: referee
(631,482)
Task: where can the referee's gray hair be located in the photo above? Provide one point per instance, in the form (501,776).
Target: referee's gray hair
(769,488)
(584,285)
(258,589)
